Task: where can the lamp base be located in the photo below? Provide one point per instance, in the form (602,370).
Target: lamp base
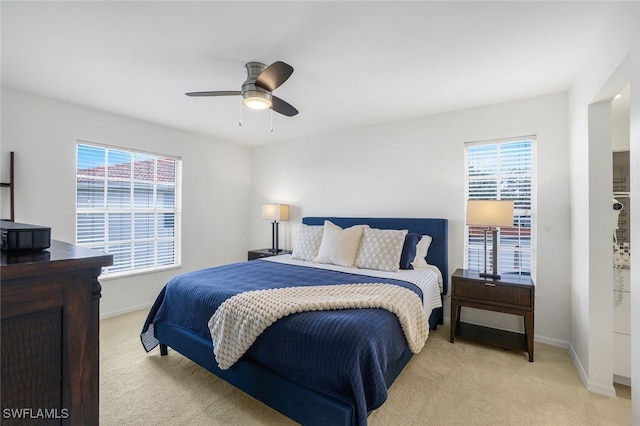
(274,238)
(489,275)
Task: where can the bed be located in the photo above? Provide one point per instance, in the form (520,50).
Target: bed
(286,366)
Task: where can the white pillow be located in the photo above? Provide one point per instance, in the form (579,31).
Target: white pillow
(381,249)
(307,242)
(422,248)
(339,246)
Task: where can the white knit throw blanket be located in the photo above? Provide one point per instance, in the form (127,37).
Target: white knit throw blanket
(239,321)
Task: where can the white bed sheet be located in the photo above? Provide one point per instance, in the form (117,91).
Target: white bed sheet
(429,281)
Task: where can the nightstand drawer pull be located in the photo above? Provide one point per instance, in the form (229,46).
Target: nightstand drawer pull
(490,284)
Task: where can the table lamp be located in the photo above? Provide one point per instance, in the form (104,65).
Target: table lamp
(490,213)
(275,213)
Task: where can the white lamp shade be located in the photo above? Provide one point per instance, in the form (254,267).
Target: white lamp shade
(489,213)
(275,212)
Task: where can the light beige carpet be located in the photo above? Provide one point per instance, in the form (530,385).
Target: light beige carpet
(445,384)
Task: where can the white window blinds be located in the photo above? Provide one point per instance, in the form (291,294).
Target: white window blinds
(128,205)
(503,170)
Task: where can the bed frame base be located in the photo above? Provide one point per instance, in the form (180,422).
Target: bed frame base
(304,405)
(295,401)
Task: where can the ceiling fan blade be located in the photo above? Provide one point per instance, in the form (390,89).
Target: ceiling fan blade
(283,107)
(274,75)
(219,93)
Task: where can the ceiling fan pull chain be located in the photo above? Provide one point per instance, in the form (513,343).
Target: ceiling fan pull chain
(240,122)
(271,129)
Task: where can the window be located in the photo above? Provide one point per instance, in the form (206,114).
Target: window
(503,170)
(128,204)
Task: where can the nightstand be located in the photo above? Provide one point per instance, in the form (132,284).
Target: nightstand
(257,254)
(511,294)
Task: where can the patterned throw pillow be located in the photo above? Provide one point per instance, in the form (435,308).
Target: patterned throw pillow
(307,242)
(381,249)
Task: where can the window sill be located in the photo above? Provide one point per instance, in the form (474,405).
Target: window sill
(127,274)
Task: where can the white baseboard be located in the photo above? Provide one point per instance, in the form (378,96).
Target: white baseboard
(578,365)
(606,390)
(551,341)
(104,315)
(622,380)
(599,388)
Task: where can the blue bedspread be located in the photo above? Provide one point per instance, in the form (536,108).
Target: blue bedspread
(341,353)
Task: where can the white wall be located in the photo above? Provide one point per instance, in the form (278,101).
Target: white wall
(600,266)
(620,135)
(606,72)
(415,168)
(635,218)
(43,133)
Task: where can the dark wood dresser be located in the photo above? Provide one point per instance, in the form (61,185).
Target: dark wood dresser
(50,308)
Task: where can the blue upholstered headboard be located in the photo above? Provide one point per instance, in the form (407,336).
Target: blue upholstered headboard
(436,228)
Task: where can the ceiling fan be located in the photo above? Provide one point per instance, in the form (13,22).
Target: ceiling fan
(257,89)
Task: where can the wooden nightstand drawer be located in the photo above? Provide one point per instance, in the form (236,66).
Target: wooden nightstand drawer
(493,292)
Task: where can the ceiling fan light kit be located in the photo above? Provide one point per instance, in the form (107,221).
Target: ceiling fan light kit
(257,89)
(256,99)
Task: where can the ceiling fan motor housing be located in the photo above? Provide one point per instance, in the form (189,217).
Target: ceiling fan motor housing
(249,88)
(254,69)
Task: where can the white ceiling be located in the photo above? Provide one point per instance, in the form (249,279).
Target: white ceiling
(356,63)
